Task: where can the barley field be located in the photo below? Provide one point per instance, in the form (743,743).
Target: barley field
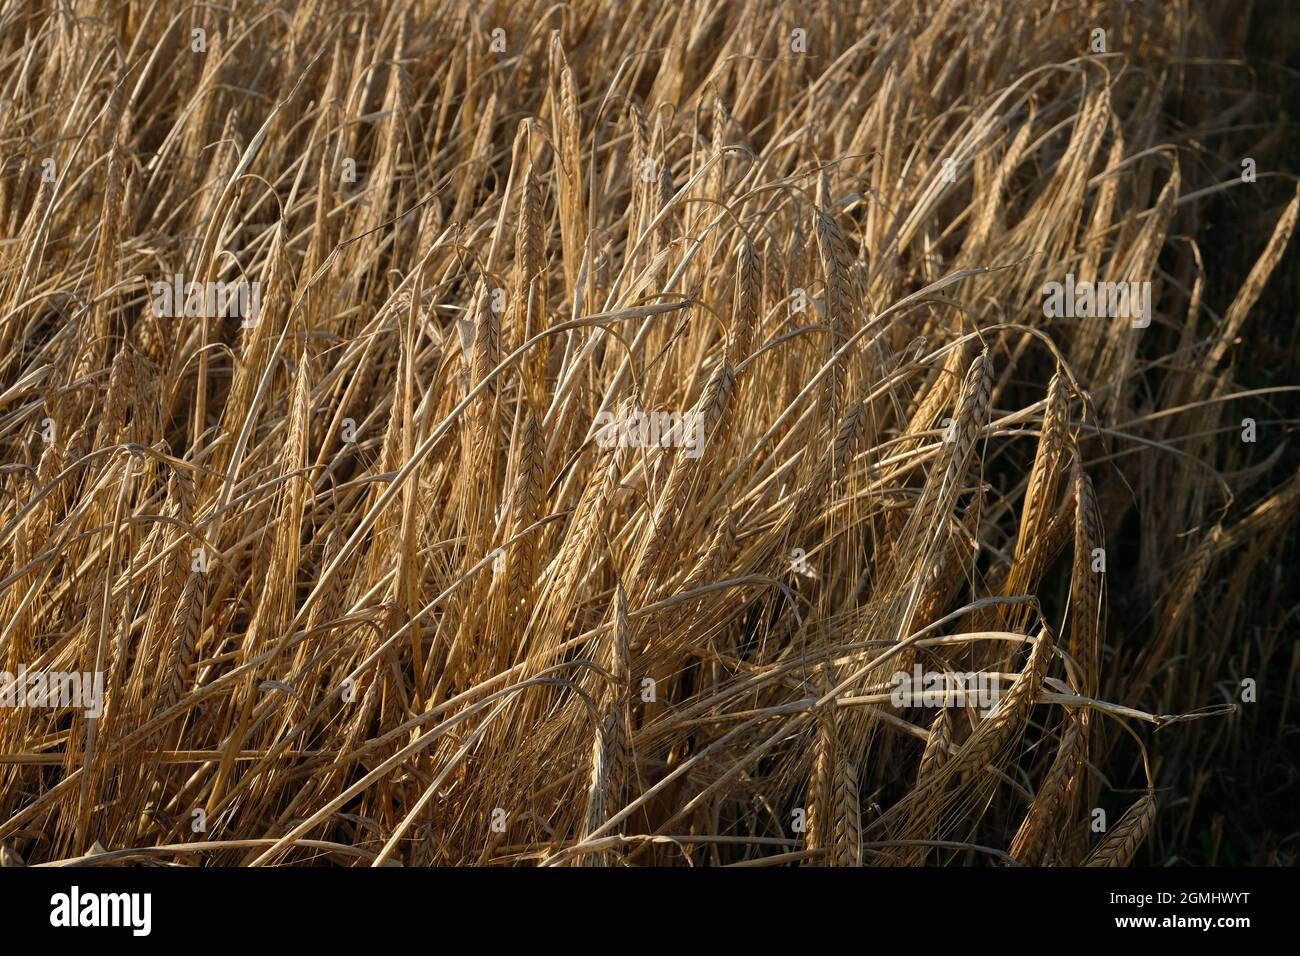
(710,433)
